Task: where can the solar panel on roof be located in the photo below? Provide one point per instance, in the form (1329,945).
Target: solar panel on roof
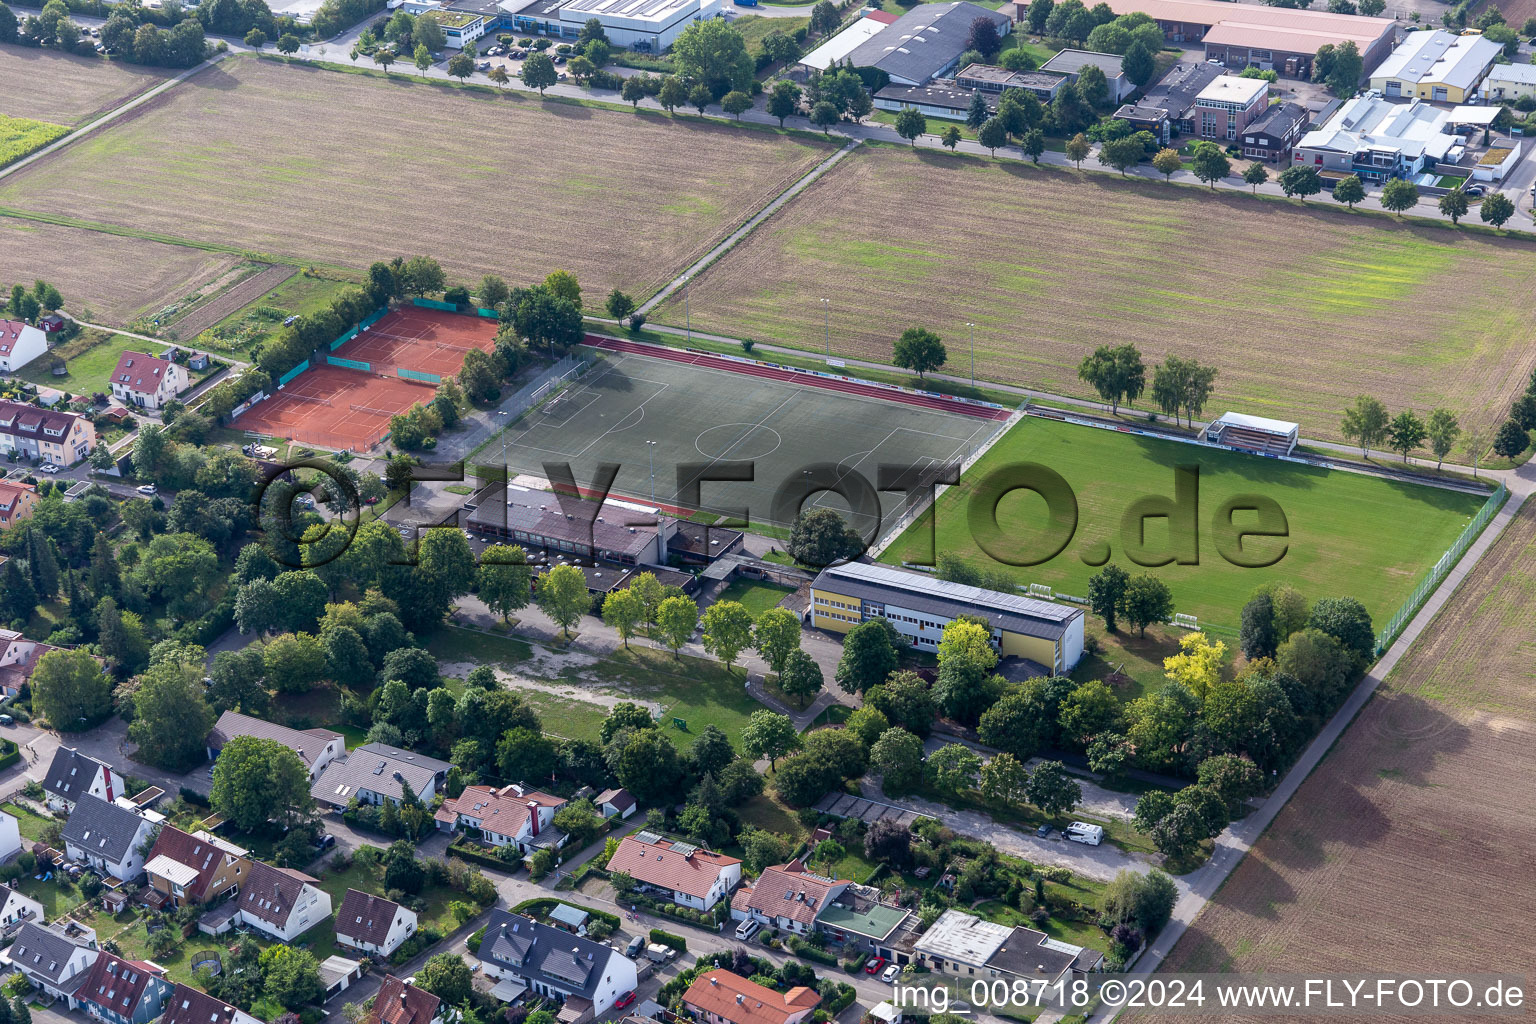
(649,838)
(684,848)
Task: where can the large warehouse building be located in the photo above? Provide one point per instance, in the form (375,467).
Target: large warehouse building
(919,606)
(1277,38)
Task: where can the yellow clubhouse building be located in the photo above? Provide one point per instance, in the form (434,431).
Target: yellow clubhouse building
(920,606)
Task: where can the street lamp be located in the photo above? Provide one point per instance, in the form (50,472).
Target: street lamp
(687,311)
(650,449)
(826,326)
(973,353)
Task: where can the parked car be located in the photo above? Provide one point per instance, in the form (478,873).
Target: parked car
(1082,832)
(747,929)
(7,720)
(874,965)
(892,972)
(560,58)
(146,489)
(636,944)
(48,468)
(624,1000)
(1474,190)
(484,65)
(1043,832)
(325,842)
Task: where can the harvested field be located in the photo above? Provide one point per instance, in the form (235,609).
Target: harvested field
(110,278)
(1419,823)
(1301,308)
(63,89)
(297,160)
(198,319)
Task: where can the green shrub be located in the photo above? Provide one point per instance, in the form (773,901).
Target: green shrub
(677,942)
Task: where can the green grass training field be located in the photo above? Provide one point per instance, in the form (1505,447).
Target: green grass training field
(1348,534)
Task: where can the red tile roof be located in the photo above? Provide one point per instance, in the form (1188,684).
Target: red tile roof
(189,1006)
(117,984)
(139,372)
(22,420)
(741,1001)
(883,17)
(504,811)
(399,1003)
(201,855)
(658,864)
(788,891)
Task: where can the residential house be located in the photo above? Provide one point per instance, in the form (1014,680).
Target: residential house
(1273,134)
(1070,64)
(615,803)
(52,961)
(108,837)
(965,946)
(61,438)
(281,902)
(919,606)
(147,382)
(510,816)
(1509,82)
(72,774)
(400,1002)
(18,660)
(925,43)
(1285,40)
(119,991)
(373,924)
(586,976)
(16,909)
(194,868)
(10,836)
(376,772)
(17,502)
(315,747)
(1379,140)
(720,997)
(187,1005)
(1229,104)
(787,897)
(688,875)
(20,343)
(1436,65)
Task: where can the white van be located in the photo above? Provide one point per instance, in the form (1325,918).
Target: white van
(747,929)
(1082,832)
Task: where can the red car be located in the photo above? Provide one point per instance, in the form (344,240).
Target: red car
(623,1000)
(874,965)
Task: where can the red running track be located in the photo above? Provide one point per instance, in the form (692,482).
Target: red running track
(846,387)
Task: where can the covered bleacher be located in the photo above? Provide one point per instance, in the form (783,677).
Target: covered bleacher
(1253,434)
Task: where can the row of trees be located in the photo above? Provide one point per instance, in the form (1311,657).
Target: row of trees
(1117,374)
(125,35)
(1368,424)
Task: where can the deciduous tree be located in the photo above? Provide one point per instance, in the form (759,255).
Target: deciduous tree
(1052,788)
(769,735)
(1399,195)
(70,690)
(1365,422)
(563,596)
(259,780)
(727,631)
(676,619)
(919,350)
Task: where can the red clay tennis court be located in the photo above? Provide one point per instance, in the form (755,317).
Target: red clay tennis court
(335,408)
(425,340)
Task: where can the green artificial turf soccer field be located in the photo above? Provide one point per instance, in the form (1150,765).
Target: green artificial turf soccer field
(1348,534)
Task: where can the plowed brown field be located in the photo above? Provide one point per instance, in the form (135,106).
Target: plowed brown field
(1301,308)
(112,278)
(347,169)
(46,85)
(1409,849)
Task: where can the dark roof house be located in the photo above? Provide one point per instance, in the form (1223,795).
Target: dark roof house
(106,836)
(122,991)
(72,774)
(315,747)
(399,1002)
(189,1006)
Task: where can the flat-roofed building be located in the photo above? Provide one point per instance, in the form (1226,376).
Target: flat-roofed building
(1379,140)
(1436,65)
(920,606)
(1229,104)
(1070,64)
(648,26)
(991,78)
(1270,38)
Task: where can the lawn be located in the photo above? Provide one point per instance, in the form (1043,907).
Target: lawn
(1299,307)
(134,941)
(279,158)
(754,27)
(697,691)
(90,358)
(29,821)
(56,900)
(1138,658)
(370,880)
(758,597)
(1348,534)
(20,136)
(1079,933)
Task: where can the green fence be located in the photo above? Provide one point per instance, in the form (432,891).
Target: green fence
(351,364)
(285,378)
(374,317)
(489,314)
(1442,569)
(344,339)
(425,378)
(446,307)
